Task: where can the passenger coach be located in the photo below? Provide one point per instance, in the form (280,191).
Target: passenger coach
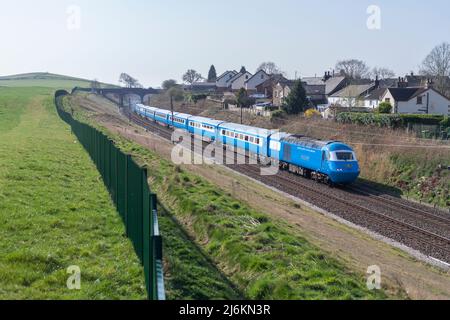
(245,138)
(205,128)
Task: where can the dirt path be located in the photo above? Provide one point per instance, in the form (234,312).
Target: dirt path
(355,248)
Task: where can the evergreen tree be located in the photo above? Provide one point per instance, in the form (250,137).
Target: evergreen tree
(212,75)
(296,101)
(243,70)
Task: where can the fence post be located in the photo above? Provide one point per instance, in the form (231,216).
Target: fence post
(127,159)
(157,253)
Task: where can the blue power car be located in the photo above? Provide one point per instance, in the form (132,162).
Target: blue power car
(327,161)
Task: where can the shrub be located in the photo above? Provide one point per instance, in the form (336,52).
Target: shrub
(381,120)
(385,108)
(422,119)
(279,114)
(446,122)
(312,113)
(390,120)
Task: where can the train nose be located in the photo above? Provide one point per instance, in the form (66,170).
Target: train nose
(345,173)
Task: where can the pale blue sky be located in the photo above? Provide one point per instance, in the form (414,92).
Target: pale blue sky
(155,40)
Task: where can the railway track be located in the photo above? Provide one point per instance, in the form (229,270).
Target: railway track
(421,228)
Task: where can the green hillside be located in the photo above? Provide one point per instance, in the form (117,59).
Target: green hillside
(46,80)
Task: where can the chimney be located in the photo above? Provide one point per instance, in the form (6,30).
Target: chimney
(327,76)
(377,82)
(402,83)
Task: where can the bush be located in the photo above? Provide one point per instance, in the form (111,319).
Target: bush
(375,119)
(390,120)
(422,119)
(446,122)
(385,108)
(279,114)
(312,113)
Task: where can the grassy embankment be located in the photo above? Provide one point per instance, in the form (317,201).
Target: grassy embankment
(264,258)
(55,211)
(416,168)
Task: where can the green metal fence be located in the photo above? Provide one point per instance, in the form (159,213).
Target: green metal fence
(129,189)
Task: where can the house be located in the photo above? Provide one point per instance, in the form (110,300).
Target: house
(316,96)
(267,86)
(373,99)
(351,96)
(258,78)
(222,82)
(425,100)
(314,93)
(332,83)
(201,87)
(280,92)
(238,81)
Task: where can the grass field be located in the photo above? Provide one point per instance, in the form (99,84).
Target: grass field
(45,80)
(54,210)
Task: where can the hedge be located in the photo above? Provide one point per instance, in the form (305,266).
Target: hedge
(391,120)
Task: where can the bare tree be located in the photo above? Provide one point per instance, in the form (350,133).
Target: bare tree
(353,68)
(437,66)
(167,84)
(382,73)
(128,81)
(270,68)
(192,76)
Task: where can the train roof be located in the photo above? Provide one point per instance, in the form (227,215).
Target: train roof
(163,111)
(206,120)
(148,107)
(182,115)
(306,141)
(247,129)
(279,135)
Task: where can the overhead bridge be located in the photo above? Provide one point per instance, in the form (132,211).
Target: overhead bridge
(120,94)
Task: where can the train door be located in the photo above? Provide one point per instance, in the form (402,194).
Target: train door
(325,159)
(287,152)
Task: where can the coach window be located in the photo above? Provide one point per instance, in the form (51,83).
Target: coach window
(246,138)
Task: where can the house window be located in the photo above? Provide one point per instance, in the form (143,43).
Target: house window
(419,100)
(388,100)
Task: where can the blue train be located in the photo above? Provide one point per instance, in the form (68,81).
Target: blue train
(331,162)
